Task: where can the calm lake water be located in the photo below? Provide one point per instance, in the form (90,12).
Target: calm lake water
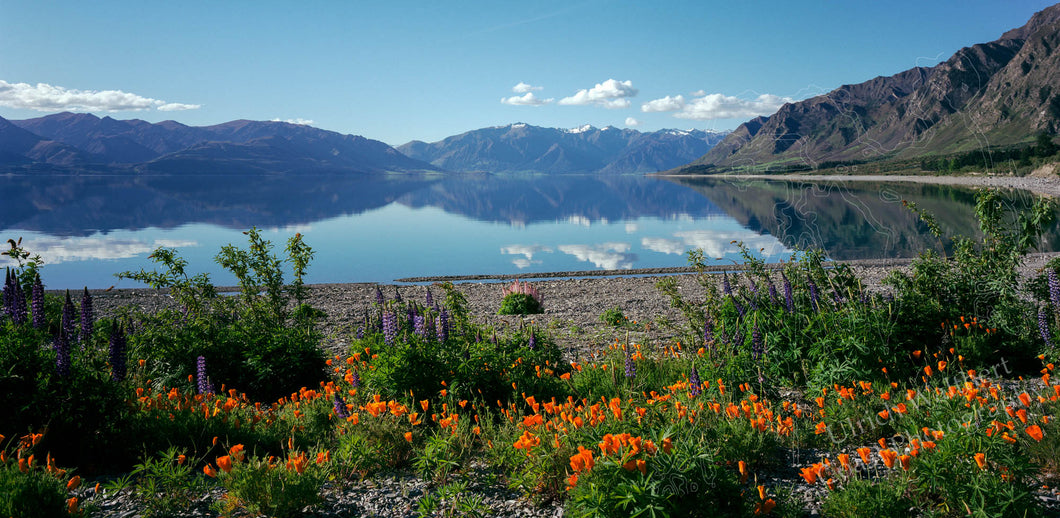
(379,229)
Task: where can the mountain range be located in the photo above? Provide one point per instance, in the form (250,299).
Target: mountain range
(85,142)
(989,95)
(81,141)
(519,148)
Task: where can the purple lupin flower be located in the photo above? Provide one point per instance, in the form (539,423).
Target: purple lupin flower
(9,294)
(739,307)
(430,298)
(419,326)
(772,291)
(355,379)
(88,319)
(725,286)
(695,385)
(21,314)
(200,376)
(1054,290)
(789,298)
(533,340)
(37,298)
(389,328)
(443,326)
(813,296)
(67,323)
(708,330)
(116,353)
(1043,328)
(631,368)
(340,407)
(758,347)
(397,295)
(62,354)
(379,296)
(360,332)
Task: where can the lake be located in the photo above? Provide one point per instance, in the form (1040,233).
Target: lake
(378,229)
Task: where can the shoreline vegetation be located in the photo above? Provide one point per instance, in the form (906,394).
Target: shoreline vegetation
(885,389)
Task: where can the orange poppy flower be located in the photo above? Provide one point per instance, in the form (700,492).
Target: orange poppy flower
(73,483)
(980,460)
(809,475)
(210,472)
(225,463)
(1035,432)
(888,457)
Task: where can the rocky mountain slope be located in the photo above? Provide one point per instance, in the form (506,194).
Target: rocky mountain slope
(994,94)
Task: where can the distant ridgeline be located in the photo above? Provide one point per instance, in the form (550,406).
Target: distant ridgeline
(78,142)
(990,106)
(522,148)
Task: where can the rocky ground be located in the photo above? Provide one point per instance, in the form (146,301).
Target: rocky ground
(572,305)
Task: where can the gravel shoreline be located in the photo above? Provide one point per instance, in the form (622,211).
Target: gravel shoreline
(572,305)
(1043,181)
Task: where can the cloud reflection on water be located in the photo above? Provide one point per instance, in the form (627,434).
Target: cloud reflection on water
(58,250)
(608,256)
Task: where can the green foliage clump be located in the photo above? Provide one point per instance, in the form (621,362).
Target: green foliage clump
(859,497)
(520,299)
(251,342)
(614,317)
(32,494)
(519,304)
(260,486)
(163,485)
(980,281)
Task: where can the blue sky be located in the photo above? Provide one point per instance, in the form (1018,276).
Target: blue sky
(402,70)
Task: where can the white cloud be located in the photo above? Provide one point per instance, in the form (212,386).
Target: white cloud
(176,107)
(631,122)
(528,99)
(49,98)
(699,93)
(720,106)
(299,121)
(610,94)
(609,256)
(666,104)
(631,228)
(523,88)
(661,244)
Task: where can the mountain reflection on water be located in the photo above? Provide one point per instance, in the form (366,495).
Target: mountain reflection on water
(371,228)
(855,220)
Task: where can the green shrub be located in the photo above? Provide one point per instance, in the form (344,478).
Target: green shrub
(858,498)
(164,485)
(519,304)
(250,342)
(261,486)
(614,317)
